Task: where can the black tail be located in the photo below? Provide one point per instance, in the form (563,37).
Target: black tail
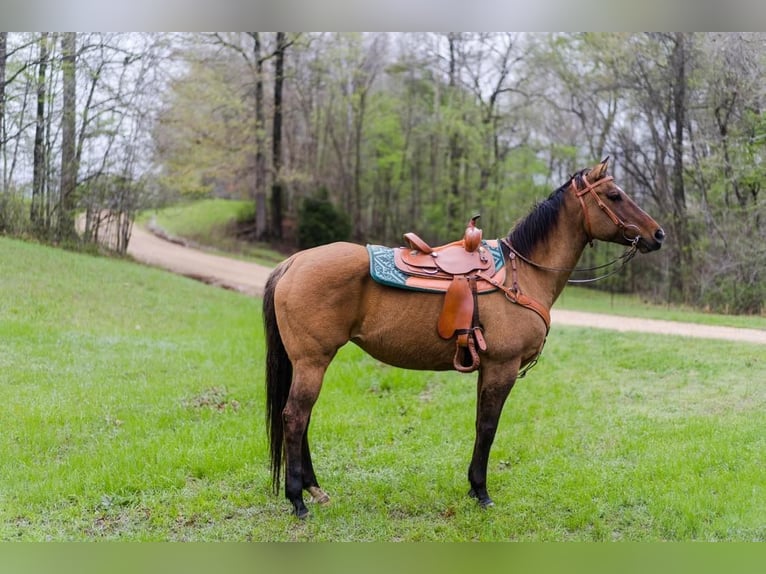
(279,374)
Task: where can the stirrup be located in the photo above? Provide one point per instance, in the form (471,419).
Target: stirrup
(471,348)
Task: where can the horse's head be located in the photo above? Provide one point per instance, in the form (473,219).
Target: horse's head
(610,215)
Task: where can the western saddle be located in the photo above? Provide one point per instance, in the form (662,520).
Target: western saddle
(461,270)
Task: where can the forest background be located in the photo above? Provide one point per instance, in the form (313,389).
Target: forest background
(384,133)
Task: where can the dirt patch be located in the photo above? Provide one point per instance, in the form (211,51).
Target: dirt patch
(656,326)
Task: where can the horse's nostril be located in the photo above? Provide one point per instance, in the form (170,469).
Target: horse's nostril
(659,235)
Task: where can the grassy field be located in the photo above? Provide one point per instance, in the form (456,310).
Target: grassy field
(132,409)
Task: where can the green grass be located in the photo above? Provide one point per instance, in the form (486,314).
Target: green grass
(208,223)
(132,409)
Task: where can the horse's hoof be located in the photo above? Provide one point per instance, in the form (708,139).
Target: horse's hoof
(318,495)
(484,500)
(299,510)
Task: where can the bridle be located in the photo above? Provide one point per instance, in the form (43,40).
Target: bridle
(590,188)
(626,256)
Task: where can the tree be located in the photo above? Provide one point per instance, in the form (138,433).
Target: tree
(654,132)
(3,63)
(261,221)
(69,165)
(276,139)
(728,152)
(38,214)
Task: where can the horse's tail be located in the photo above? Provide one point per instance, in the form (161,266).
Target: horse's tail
(279,374)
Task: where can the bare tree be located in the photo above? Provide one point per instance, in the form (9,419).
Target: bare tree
(276,138)
(261,220)
(69,167)
(38,216)
(3,61)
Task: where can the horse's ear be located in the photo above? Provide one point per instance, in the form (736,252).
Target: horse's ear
(599,170)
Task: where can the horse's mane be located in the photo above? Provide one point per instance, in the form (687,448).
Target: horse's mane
(537,224)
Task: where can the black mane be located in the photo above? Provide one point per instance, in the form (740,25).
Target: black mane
(537,224)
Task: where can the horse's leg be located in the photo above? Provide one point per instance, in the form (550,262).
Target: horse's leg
(310,482)
(492,391)
(299,471)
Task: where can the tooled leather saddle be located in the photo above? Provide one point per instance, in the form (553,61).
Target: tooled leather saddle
(461,270)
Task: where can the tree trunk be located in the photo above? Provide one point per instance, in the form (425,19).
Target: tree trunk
(276,187)
(356,209)
(455,154)
(682,256)
(3,56)
(261,220)
(68,138)
(37,211)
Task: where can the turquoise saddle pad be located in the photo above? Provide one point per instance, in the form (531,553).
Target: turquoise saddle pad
(384,271)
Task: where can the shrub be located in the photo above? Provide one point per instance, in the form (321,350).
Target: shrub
(320,222)
(14,214)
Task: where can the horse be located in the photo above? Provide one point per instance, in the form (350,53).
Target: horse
(319,299)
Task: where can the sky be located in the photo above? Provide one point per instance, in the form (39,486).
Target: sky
(384,15)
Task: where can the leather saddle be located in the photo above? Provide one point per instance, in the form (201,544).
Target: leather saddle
(460,270)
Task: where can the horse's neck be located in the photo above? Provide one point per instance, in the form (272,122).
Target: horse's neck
(561,250)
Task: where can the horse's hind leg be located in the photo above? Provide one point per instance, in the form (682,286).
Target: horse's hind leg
(299,471)
(310,482)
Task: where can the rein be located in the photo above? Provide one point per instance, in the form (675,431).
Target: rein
(626,256)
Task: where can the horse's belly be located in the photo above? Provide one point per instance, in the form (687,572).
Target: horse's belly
(423,358)
(399,329)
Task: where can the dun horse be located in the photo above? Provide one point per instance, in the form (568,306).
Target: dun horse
(319,299)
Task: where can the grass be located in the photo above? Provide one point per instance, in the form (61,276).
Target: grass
(117,383)
(132,408)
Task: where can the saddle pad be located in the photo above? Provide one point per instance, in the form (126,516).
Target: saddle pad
(384,271)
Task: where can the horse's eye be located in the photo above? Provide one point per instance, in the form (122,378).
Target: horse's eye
(614,195)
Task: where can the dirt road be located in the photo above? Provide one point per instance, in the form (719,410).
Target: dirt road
(249,278)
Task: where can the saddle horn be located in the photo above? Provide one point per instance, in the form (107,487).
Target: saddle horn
(472,236)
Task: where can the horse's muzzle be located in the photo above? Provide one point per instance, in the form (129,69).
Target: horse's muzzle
(653,244)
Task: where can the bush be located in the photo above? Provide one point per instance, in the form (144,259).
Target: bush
(14,215)
(245,213)
(320,222)
(733,294)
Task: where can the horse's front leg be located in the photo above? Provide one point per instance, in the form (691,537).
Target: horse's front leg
(493,388)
